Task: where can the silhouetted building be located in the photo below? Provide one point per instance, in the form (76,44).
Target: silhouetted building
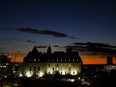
(39,64)
(109,60)
(4,63)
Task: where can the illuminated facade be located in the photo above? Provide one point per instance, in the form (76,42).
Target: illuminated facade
(38,64)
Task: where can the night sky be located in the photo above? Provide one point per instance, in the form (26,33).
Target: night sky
(58,23)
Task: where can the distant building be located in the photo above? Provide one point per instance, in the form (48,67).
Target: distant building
(109,60)
(40,64)
(4,63)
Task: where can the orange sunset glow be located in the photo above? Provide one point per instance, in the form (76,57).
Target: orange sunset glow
(87,59)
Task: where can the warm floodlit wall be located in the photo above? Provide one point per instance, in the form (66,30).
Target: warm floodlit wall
(40,69)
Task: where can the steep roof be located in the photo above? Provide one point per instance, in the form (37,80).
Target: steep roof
(35,56)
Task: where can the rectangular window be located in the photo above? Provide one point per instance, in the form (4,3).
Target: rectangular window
(48,65)
(30,68)
(57,65)
(38,68)
(34,59)
(73,73)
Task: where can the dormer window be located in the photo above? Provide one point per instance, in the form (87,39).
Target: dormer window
(34,59)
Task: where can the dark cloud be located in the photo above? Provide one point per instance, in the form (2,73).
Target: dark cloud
(95,48)
(7,29)
(45,32)
(99,45)
(13,39)
(41,46)
(56,46)
(73,37)
(30,41)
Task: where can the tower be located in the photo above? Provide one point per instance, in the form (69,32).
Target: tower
(69,50)
(109,60)
(49,50)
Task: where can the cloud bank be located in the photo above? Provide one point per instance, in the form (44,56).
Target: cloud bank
(96,48)
(45,32)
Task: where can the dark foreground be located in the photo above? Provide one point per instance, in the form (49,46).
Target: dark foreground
(30,82)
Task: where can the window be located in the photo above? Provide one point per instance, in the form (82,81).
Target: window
(56,65)
(34,59)
(73,73)
(48,65)
(38,68)
(30,68)
(48,72)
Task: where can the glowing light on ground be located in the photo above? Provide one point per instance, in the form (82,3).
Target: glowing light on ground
(40,74)
(29,74)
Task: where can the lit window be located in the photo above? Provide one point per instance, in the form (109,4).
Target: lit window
(73,60)
(57,60)
(52,60)
(63,72)
(20,75)
(57,68)
(69,60)
(34,59)
(65,59)
(38,59)
(61,60)
(77,60)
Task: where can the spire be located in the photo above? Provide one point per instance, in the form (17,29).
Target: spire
(34,50)
(69,49)
(49,50)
